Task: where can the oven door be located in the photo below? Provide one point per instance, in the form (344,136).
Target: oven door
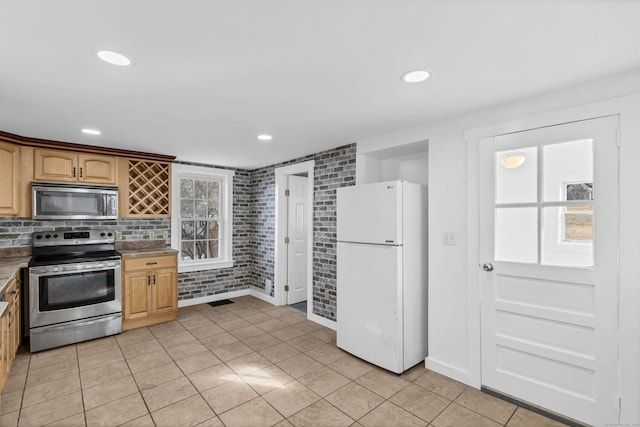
(68,292)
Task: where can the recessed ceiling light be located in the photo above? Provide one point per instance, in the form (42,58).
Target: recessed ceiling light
(415,76)
(265,137)
(114,58)
(91,131)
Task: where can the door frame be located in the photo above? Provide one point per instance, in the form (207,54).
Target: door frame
(280,260)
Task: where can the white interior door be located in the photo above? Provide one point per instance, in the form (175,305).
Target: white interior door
(297,233)
(548,252)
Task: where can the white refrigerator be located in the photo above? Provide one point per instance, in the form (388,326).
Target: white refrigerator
(382,273)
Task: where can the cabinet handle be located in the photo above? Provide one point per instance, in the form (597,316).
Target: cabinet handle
(80,172)
(154,279)
(74,171)
(152,263)
(148,280)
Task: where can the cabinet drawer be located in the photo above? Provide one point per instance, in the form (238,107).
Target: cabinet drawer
(150,262)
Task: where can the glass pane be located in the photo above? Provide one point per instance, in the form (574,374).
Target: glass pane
(186,208)
(201,189)
(516,175)
(213,248)
(568,170)
(187,230)
(186,251)
(516,235)
(201,209)
(186,188)
(567,236)
(214,190)
(201,249)
(201,230)
(213,230)
(213,209)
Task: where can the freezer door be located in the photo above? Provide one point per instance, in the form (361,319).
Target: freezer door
(369,303)
(370,213)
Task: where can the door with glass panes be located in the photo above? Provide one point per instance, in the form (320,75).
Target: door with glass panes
(548,259)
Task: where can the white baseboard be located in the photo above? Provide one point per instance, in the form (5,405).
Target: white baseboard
(211,298)
(331,324)
(450,371)
(256,292)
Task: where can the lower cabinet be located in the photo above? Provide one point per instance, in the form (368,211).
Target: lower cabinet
(10,330)
(150,290)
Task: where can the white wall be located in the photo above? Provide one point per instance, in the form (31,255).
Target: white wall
(454,310)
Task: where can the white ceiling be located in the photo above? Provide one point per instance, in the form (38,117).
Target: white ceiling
(209,76)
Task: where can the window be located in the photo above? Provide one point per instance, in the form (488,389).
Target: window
(577,221)
(201,224)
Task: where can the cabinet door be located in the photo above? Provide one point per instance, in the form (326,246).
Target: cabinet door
(164,290)
(137,291)
(55,165)
(96,169)
(8,179)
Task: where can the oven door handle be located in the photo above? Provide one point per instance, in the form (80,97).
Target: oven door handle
(74,268)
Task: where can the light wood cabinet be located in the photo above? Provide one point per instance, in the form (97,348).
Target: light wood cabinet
(10,330)
(15,180)
(12,296)
(69,166)
(145,188)
(150,289)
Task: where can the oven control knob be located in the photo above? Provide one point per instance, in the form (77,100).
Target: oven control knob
(102,234)
(38,237)
(109,234)
(55,236)
(48,236)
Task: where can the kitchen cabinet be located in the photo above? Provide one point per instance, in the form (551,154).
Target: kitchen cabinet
(69,166)
(12,296)
(4,349)
(150,290)
(15,178)
(145,188)
(9,329)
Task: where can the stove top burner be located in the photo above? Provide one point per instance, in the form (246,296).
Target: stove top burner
(67,247)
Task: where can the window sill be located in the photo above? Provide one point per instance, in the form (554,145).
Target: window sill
(214,265)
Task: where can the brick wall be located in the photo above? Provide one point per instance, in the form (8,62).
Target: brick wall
(333,169)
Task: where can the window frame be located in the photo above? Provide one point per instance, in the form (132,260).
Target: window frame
(225,239)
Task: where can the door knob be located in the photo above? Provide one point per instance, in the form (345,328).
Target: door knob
(487,266)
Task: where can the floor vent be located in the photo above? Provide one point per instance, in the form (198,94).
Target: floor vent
(221,302)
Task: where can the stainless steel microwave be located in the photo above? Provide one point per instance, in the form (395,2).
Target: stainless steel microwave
(64,201)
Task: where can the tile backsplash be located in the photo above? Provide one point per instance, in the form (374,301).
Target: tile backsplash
(19,231)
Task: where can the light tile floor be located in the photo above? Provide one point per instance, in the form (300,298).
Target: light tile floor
(242,364)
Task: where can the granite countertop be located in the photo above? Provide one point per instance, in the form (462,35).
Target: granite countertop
(9,268)
(133,253)
(3,307)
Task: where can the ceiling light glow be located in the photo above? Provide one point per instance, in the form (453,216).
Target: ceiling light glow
(114,58)
(91,131)
(265,137)
(415,76)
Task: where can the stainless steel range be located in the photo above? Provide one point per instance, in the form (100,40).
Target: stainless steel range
(75,288)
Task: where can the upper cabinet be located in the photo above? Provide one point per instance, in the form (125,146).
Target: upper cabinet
(145,188)
(15,178)
(9,167)
(69,166)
